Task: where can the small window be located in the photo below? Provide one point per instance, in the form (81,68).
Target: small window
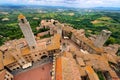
(17,67)
(13,69)
(22,20)
(33,47)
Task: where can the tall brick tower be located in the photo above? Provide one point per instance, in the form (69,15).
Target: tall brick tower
(59,29)
(102,38)
(26,29)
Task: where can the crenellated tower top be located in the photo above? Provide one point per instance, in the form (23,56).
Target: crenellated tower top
(21,16)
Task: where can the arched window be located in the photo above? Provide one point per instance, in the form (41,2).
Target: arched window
(22,20)
(43,52)
(44,56)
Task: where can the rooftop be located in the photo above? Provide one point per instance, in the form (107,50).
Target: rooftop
(2,74)
(21,16)
(8,58)
(92,75)
(64,67)
(1,62)
(55,43)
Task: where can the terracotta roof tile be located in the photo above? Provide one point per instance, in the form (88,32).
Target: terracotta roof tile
(92,75)
(2,74)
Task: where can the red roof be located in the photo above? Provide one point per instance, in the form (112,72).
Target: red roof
(2,74)
(58,69)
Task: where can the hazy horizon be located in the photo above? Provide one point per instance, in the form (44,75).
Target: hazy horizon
(65,3)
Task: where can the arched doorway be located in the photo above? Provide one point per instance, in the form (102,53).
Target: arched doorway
(44,56)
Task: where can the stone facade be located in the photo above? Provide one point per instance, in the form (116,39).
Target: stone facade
(8,76)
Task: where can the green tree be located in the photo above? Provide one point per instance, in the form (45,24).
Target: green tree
(111,40)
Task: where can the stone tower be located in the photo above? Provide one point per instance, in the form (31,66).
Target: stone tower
(102,38)
(26,29)
(59,29)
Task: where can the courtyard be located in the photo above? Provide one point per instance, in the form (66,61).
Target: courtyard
(39,73)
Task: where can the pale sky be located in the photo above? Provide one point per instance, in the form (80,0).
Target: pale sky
(68,3)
